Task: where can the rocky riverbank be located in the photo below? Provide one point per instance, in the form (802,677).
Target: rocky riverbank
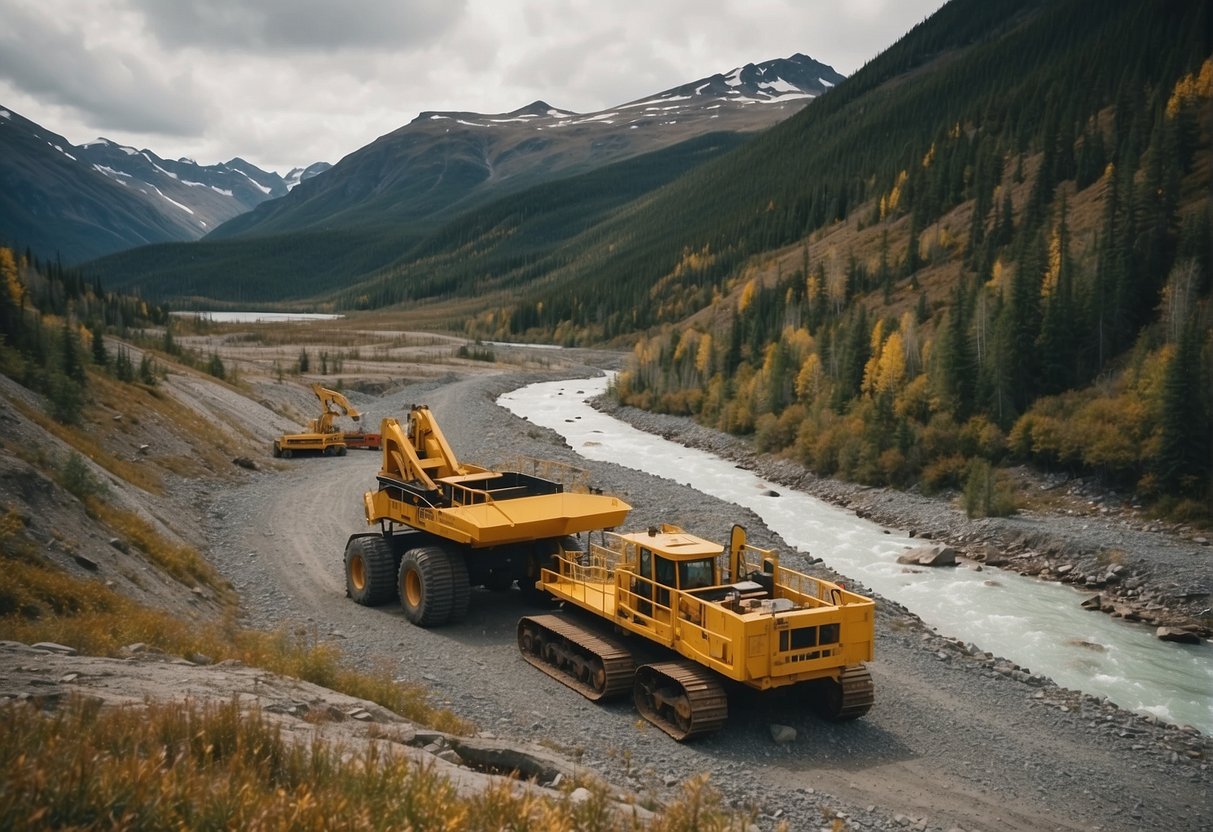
(1136,568)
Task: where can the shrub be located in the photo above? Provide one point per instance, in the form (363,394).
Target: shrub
(77,477)
(66,398)
(945,472)
(215,366)
(985,495)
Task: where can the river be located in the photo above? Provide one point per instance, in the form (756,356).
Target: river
(1037,624)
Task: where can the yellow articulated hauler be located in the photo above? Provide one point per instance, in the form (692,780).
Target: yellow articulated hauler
(446,526)
(737,616)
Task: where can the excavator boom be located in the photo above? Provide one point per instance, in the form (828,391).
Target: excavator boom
(321,435)
(446,526)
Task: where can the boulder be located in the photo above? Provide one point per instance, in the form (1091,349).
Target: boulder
(929,556)
(1176,634)
(783,734)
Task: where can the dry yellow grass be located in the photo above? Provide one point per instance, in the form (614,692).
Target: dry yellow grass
(214,767)
(182,562)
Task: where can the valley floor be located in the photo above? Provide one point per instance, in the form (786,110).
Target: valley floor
(956,740)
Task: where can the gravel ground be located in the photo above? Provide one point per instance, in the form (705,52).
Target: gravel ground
(958,740)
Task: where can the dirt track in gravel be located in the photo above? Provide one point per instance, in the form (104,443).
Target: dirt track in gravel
(950,744)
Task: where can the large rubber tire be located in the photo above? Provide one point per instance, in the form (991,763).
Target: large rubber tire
(286,453)
(341,450)
(330,450)
(545,558)
(461,589)
(433,586)
(369,571)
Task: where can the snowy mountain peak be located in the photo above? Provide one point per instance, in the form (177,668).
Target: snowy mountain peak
(783,81)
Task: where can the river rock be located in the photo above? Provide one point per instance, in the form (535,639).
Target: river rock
(929,556)
(783,734)
(1176,634)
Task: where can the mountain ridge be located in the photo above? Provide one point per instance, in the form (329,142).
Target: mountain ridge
(444,162)
(82,201)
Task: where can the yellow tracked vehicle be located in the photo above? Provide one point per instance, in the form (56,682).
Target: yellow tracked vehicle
(322,435)
(719,618)
(446,526)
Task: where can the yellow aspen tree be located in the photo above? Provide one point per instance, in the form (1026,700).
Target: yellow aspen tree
(703,355)
(996,272)
(810,381)
(812,287)
(798,341)
(1204,79)
(686,344)
(895,194)
(891,369)
(9,276)
(747,295)
(871,367)
(1053,273)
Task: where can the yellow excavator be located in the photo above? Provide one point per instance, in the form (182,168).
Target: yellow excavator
(322,436)
(446,526)
(715,619)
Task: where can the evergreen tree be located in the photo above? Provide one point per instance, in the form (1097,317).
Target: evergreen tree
(147,370)
(1186,430)
(10,298)
(70,361)
(100,355)
(124,370)
(1022,314)
(1057,345)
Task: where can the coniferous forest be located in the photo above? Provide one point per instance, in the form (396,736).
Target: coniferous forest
(1029,282)
(53,323)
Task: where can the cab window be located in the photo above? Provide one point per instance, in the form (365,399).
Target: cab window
(695,574)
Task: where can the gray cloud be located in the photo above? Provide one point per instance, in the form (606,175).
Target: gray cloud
(67,65)
(289,82)
(299,25)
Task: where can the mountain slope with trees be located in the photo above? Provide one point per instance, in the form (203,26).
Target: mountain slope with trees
(993,243)
(381,204)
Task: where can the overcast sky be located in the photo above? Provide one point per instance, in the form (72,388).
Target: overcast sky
(283,83)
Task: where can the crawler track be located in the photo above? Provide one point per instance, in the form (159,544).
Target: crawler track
(858,692)
(681,698)
(596,667)
(849,698)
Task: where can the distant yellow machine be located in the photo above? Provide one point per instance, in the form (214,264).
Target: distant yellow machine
(446,526)
(322,435)
(748,621)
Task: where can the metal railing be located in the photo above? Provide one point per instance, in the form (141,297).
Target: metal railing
(570,476)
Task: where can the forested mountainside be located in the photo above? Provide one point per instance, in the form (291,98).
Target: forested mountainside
(993,243)
(413,191)
(52,326)
(318,266)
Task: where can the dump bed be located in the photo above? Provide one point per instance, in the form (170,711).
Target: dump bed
(485,519)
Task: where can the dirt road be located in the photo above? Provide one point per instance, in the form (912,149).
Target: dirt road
(954,741)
